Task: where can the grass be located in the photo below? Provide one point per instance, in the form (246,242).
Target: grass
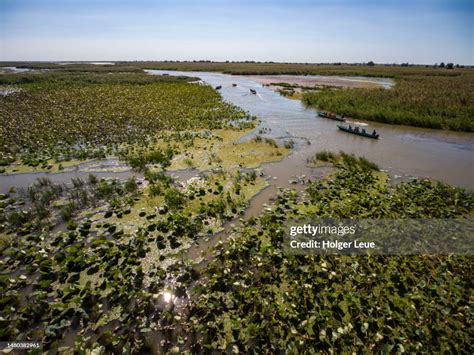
(342,159)
(324,156)
(253,68)
(429,101)
(424,96)
(51,166)
(257,68)
(41,80)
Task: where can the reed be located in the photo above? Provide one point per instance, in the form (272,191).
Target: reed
(431,102)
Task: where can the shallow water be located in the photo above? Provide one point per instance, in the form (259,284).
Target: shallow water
(5,92)
(14,70)
(402,150)
(23,180)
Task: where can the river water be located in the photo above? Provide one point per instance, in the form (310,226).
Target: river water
(402,150)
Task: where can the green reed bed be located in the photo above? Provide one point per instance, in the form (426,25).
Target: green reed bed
(432,102)
(256,68)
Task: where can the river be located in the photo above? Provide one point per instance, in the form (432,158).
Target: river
(402,150)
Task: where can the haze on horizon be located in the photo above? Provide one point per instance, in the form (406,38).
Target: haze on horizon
(418,31)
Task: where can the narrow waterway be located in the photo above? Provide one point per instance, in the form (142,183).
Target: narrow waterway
(402,150)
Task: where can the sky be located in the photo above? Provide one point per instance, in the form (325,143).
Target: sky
(384,31)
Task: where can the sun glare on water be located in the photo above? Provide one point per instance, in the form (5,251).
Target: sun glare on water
(169,297)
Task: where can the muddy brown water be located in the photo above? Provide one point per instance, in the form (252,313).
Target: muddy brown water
(402,150)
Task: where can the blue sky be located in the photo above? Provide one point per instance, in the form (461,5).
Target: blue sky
(416,31)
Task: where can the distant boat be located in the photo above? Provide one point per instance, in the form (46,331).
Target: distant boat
(234,85)
(357,132)
(219,87)
(331,116)
(253,91)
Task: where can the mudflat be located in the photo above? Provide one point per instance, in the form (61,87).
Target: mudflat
(320,80)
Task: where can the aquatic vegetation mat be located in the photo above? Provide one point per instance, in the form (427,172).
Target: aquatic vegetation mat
(254,297)
(64,120)
(112,274)
(204,150)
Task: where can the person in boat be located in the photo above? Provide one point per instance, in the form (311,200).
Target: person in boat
(374,133)
(356,129)
(363,130)
(350,128)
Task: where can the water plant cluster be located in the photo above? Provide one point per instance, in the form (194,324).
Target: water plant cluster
(72,115)
(253,297)
(107,266)
(294,91)
(342,159)
(203,149)
(45,204)
(103,279)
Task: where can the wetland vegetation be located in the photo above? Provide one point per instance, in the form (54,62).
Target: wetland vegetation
(442,102)
(64,116)
(93,259)
(104,265)
(255,297)
(424,96)
(105,277)
(261,68)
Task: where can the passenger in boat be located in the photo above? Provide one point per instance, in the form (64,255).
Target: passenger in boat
(350,128)
(363,130)
(374,133)
(356,129)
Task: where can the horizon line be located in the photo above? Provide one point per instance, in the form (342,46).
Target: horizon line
(228,62)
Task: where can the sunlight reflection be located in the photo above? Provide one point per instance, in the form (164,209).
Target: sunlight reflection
(169,297)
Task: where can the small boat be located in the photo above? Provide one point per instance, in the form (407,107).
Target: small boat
(219,87)
(253,91)
(234,85)
(331,116)
(357,132)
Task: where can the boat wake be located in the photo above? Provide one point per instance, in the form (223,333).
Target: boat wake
(357,123)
